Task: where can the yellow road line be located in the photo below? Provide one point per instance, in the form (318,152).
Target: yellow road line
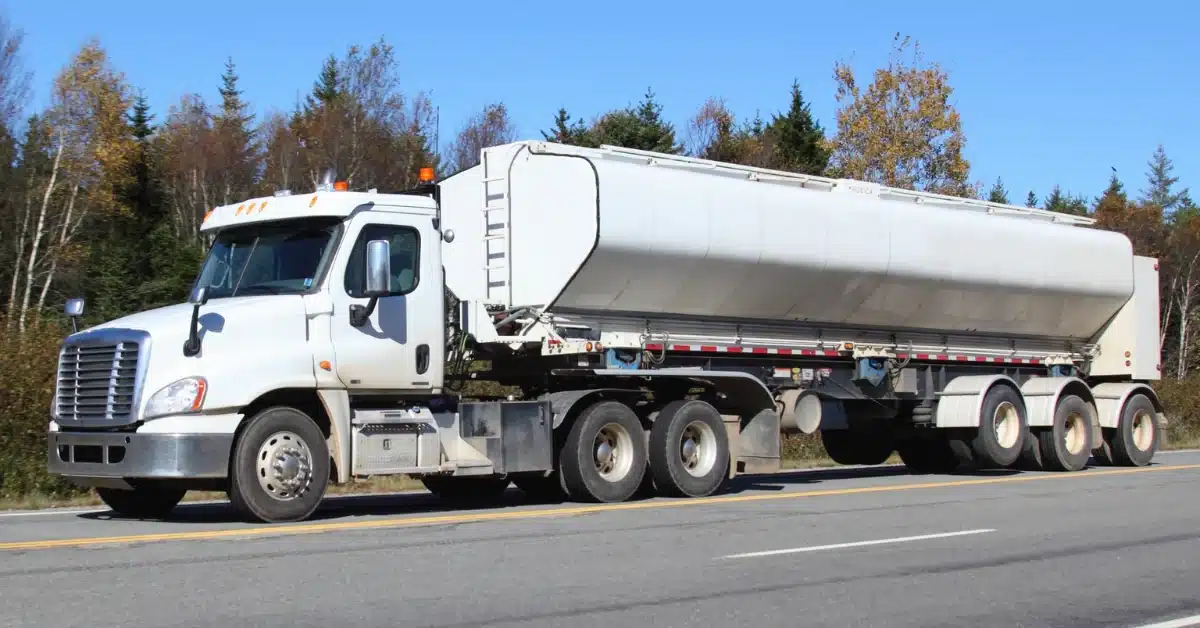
(308,528)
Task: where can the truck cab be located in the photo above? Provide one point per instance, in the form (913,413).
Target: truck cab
(302,302)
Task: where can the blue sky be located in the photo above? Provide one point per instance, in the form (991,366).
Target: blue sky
(1049,92)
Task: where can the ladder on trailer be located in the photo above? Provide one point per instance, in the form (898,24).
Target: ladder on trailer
(496,239)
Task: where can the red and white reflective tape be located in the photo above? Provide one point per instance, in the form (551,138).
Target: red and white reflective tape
(833,353)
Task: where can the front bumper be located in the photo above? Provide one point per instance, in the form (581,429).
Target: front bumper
(108,458)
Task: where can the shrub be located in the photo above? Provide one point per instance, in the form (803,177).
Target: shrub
(27,371)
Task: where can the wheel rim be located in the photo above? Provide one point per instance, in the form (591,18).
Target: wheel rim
(612,452)
(1143,430)
(1075,434)
(698,448)
(284,466)
(1007,424)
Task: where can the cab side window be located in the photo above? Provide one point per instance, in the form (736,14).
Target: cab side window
(405,246)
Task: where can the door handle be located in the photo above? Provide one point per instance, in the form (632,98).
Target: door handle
(422,359)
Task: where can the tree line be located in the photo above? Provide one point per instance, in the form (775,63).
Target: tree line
(102,197)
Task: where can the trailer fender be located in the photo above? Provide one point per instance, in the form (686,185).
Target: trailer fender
(961,401)
(1111,397)
(1042,395)
(738,393)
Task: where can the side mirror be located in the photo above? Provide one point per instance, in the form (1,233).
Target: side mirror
(199,295)
(379,268)
(379,273)
(74,309)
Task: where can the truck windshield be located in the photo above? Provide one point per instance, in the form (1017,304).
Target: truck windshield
(269,258)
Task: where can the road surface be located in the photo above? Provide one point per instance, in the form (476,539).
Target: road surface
(852,547)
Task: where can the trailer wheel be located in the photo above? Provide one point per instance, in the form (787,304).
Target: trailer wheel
(604,456)
(1067,444)
(280,466)
(998,441)
(141,502)
(689,449)
(933,454)
(1135,441)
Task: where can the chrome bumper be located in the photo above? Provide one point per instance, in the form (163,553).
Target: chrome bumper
(106,458)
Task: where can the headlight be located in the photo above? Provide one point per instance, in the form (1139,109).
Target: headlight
(185,395)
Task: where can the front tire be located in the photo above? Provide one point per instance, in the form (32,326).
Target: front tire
(689,449)
(604,456)
(280,467)
(141,502)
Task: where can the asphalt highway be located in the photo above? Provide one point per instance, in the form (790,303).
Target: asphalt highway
(844,547)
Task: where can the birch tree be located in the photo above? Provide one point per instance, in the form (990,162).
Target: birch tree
(92,157)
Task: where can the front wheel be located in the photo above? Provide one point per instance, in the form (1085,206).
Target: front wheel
(280,467)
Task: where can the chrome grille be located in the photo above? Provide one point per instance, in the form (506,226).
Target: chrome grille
(97,383)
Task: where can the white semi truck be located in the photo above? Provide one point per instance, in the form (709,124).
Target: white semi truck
(665,320)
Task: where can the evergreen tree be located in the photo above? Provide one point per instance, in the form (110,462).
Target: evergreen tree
(798,141)
(328,87)
(998,194)
(564,132)
(1066,204)
(1161,183)
(640,127)
(1031,200)
(235,137)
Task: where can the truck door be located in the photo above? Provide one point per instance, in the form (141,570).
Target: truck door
(400,347)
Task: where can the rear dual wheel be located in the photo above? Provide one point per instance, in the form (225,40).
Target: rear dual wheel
(1067,444)
(1136,438)
(609,457)
(689,449)
(1003,422)
(604,456)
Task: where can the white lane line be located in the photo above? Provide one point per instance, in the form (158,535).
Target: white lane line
(818,548)
(44,513)
(1182,622)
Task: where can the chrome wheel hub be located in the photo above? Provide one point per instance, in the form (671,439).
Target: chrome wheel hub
(284,466)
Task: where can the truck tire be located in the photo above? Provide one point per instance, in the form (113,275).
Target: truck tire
(1135,440)
(867,446)
(1067,444)
(1003,423)
(932,454)
(689,449)
(467,490)
(280,467)
(604,456)
(141,502)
